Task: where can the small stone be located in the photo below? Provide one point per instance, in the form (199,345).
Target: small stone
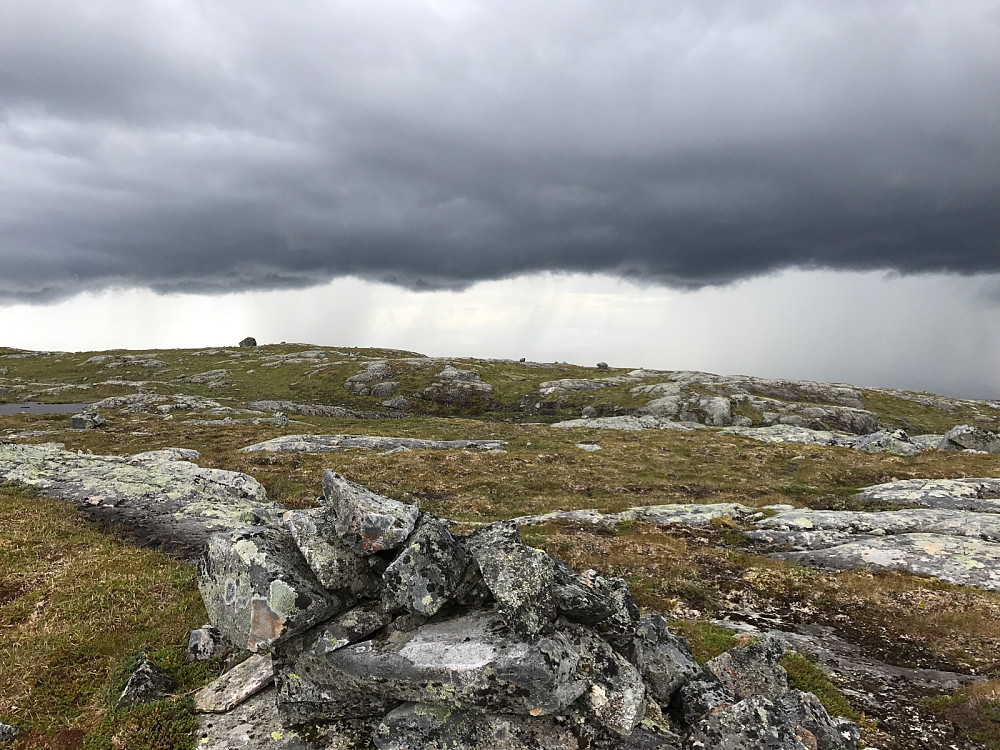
(86,421)
(206,642)
(701,694)
(248,342)
(146,684)
(578,598)
(367,522)
(7,732)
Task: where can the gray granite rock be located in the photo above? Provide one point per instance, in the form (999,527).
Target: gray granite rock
(206,642)
(662,658)
(337,443)
(7,732)
(366,522)
(616,695)
(259,590)
(315,410)
(426,574)
(981,494)
(466,662)
(338,567)
(88,420)
(628,422)
(247,678)
(146,684)
(578,597)
(753,669)
(964,437)
(174,505)
(702,694)
(520,578)
(248,342)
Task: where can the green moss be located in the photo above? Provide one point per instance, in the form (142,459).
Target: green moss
(805,676)
(705,639)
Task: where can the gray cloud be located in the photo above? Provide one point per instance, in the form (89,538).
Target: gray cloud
(225,145)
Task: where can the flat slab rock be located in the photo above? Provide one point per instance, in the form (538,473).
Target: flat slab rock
(336,443)
(629,422)
(688,514)
(981,494)
(163,499)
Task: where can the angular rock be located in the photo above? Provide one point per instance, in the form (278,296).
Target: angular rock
(248,342)
(337,566)
(520,578)
(616,696)
(466,662)
(887,441)
(831,733)
(428,727)
(752,669)
(427,573)
(619,626)
(205,643)
(367,522)
(258,588)
(964,437)
(349,627)
(146,684)
(702,694)
(171,504)
(89,420)
(7,732)
(578,598)
(247,678)
(662,658)
(758,723)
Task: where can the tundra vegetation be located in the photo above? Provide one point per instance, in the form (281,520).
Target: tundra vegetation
(79,604)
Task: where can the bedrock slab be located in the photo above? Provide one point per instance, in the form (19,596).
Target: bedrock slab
(629,422)
(688,514)
(166,503)
(981,493)
(337,443)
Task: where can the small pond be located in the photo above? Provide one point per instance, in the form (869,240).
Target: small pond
(33,407)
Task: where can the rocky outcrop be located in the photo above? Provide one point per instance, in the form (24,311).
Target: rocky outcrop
(168,503)
(455,387)
(478,640)
(372,380)
(337,443)
(628,422)
(964,437)
(316,410)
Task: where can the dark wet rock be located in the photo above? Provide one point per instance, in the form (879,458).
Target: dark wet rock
(337,443)
(248,342)
(662,658)
(367,522)
(206,642)
(89,420)
(964,437)
(429,727)
(702,694)
(146,684)
(520,578)
(247,678)
(315,410)
(427,572)
(7,732)
(753,669)
(174,505)
(795,722)
(463,662)
(338,567)
(258,588)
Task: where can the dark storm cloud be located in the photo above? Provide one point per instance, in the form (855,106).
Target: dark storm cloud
(223,145)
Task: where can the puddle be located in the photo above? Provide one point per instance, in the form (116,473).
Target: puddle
(33,407)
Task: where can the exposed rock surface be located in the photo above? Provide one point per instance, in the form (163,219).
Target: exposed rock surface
(206,642)
(315,410)
(86,421)
(628,422)
(336,443)
(247,678)
(172,504)
(455,387)
(366,522)
(964,437)
(145,685)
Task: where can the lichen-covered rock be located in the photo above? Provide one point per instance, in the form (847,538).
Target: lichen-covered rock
(88,420)
(428,727)
(702,694)
(367,522)
(206,642)
(616,696)
(146,684)
(258,588)
(753,669)
(759,723)
(578,598)
(629,422)
(964,437)
(337,443)
(337,566)
(619,626)
(520,578)
(662,658)
(887,441)
(465,662)
(226,692)
(981,493)
(427,572)
(248,342)
(174,505)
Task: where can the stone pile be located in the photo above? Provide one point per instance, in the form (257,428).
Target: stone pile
(371,609)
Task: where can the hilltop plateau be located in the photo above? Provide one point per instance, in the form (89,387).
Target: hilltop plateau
(857,527)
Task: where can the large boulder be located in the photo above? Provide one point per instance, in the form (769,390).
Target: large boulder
(259,590)
(964,437)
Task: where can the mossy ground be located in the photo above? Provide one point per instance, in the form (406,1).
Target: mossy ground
(78,616)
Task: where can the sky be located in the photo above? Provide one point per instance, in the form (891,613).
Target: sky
(776,188)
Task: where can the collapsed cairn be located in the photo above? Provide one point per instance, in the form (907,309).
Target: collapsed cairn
(371,608)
